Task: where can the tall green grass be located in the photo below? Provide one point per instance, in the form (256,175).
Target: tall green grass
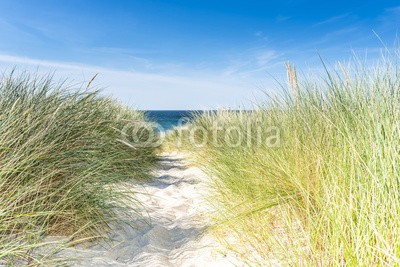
(62,164)
(325,190)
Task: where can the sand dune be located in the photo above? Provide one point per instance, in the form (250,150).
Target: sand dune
(175,234)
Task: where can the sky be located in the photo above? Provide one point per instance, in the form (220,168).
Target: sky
(193,54)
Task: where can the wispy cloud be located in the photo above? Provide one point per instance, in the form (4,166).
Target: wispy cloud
(265,57)
(148,90)
(390,17)
(124,51)
(255,63)
(14,29)
(4,23)
(282,18)
(45,63)
(261,35)
(333,19)
(394,10)
(330,39)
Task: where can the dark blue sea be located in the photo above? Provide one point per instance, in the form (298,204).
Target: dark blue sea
(168,119)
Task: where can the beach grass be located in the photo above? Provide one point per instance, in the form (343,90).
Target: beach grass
(64,158)
(311,176)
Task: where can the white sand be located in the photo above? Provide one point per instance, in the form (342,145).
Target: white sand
(175,236)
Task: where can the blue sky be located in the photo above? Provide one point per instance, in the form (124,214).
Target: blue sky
(188,54)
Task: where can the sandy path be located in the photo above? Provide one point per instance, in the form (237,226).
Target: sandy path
(174,236)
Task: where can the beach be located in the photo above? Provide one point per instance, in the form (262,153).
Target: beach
(173,230)
(199,133)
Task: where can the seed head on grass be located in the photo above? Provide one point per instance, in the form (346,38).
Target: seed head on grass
(329,194)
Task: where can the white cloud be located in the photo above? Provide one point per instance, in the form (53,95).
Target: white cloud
(195,90)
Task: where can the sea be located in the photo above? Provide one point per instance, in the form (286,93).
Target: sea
(168,119)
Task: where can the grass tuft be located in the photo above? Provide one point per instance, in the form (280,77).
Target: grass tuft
(62,164)
(322,187)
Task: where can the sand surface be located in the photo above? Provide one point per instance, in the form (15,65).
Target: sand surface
(175,234)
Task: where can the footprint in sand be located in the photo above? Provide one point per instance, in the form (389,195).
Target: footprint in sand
(175,234)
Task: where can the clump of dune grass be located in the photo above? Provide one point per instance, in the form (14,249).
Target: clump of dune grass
(64,156)
(325,190)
